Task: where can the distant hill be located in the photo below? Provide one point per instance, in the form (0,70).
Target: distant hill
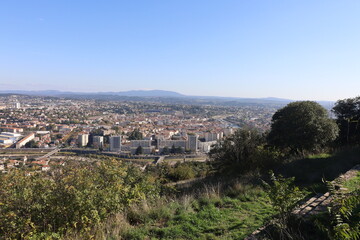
(147,93)
(167,97)
(132,93)
(161,96)
(277,99)
(34,93)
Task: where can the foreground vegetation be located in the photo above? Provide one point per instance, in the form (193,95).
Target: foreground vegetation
(111,199)
(114,200)
(72,198)
(232,214)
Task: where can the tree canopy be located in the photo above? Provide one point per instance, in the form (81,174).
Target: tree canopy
(136,135)
(347,112)
(31,144)
(302,126)
(238,149)
(139,150)
(165,151)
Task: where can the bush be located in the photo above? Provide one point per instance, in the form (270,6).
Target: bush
(78,197)
(181,172)
(284,196)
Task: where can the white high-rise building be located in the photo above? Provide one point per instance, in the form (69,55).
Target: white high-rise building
(228,131)
(83,140)
(115,143)
(209,137)
(206,146)
(17,105)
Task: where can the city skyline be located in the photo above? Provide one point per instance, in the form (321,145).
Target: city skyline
(295,50)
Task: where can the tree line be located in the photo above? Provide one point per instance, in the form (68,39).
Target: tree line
(299,128)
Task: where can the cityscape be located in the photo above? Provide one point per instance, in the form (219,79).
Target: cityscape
(179,120)
(143,129)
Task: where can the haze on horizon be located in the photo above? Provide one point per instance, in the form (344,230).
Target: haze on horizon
(286,49)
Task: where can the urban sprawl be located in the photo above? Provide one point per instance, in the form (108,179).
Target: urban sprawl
(126,128)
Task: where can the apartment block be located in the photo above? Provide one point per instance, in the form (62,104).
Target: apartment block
(115,143)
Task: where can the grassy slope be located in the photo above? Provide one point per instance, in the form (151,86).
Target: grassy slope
(313,169)
(235,215)
(231,216)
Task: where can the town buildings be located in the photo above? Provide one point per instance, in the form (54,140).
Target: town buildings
(115,143)
(193,141)
(62,122)
(25,140)
(98,141)
(83,140)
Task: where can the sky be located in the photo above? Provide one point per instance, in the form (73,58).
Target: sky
(301,50)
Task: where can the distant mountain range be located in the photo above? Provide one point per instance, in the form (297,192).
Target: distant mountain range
(159,95)
(132,93)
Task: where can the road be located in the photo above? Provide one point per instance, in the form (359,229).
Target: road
(48,155)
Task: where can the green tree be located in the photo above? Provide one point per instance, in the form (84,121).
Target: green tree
(302,126)
(97,132)
(165,151)
(239,149)
(31,144)
(136,135)
(179,150)
(139,150)
(181,172)
(116,129)
(173,149)
(347,112)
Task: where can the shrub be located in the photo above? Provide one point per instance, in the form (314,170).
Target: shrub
(342,220)
(78,197)
(284,196)
(181,172)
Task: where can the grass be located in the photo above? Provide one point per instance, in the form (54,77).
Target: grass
(232,214)
(313,169)
(320,155)
(353,183)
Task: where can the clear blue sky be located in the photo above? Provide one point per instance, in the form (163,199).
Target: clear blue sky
(290,49)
